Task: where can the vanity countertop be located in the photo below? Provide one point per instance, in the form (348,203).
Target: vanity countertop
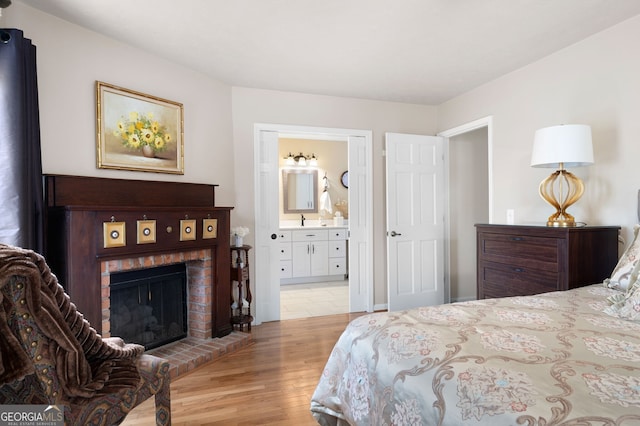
(289,225)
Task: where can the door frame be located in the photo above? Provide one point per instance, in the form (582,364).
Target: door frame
(456,131)
(364,256)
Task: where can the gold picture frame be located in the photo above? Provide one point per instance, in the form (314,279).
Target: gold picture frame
(187,229)
(114,234)
(139,132)
(209,228)
(146,231)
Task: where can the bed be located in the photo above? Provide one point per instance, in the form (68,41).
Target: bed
(570,358)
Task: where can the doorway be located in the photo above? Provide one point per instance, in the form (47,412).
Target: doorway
(360,225)
(469,182)
(327,160)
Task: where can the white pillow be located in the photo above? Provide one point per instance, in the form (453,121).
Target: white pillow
(628,267)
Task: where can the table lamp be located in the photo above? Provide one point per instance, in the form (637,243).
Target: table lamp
(567,145)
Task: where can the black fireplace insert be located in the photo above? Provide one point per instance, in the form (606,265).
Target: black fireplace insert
(149,306)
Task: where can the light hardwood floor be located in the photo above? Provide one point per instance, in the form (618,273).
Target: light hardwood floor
(270,382)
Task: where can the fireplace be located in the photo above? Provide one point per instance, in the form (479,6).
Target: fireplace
(149,306)
(97,227)
(199,287)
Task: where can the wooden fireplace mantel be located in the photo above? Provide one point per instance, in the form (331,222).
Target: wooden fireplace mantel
(79,207)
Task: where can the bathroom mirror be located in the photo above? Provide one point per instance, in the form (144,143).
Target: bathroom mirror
(300,190)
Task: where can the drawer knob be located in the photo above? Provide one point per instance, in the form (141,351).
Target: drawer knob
(517,238)
(518,270)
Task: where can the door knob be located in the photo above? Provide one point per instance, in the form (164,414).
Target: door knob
(394,233)
(274,236)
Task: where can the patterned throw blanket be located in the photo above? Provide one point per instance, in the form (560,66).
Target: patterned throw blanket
(86,365)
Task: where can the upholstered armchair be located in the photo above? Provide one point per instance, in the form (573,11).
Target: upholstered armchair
(50,355)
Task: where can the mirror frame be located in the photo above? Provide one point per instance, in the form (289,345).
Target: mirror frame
(285,189)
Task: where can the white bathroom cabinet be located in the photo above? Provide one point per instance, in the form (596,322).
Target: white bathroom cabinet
(312,255)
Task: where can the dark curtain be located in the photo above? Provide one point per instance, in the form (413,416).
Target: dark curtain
(21,200)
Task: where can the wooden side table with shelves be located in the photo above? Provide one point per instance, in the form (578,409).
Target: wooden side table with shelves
(240,288)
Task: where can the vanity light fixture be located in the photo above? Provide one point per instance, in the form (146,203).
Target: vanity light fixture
(301,160)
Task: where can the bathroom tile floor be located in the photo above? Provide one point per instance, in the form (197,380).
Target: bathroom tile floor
(314,299)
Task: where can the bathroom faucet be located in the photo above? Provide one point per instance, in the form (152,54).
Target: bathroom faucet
(302,218)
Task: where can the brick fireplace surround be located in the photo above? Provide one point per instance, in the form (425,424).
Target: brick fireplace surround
(198,348)
(199,286)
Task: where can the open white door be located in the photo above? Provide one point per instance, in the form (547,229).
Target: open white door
(267,255)
(360,225)
(415,220)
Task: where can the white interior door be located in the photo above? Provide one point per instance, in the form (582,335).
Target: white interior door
(266,253)
(360,225)
(415,220)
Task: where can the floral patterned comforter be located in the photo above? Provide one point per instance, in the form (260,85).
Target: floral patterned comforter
(547,359)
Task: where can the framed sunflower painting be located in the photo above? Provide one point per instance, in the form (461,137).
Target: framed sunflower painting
(136,131)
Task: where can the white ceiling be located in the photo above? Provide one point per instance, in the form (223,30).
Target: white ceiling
(416,51)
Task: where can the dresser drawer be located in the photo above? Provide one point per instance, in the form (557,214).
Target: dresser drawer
(501,280)
(284,236)
(337,248)
(520,250)
(337,234)
(285,251)
(337,266)
(310,235)
(285,269)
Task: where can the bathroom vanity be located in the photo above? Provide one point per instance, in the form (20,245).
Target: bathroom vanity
(312,254)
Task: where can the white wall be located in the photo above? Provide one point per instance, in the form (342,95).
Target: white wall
(70,59)
(595,82)
(252,106)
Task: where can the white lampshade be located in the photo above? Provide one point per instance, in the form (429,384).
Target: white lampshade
(569,144)
(290,161)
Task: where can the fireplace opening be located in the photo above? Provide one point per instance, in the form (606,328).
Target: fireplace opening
(149,306)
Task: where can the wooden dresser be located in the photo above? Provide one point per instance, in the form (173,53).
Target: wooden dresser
(519,260)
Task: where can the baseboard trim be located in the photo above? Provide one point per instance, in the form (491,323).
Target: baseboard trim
(380,307)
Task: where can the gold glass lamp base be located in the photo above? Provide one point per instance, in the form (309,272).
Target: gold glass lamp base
(566,222)
(569,188)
